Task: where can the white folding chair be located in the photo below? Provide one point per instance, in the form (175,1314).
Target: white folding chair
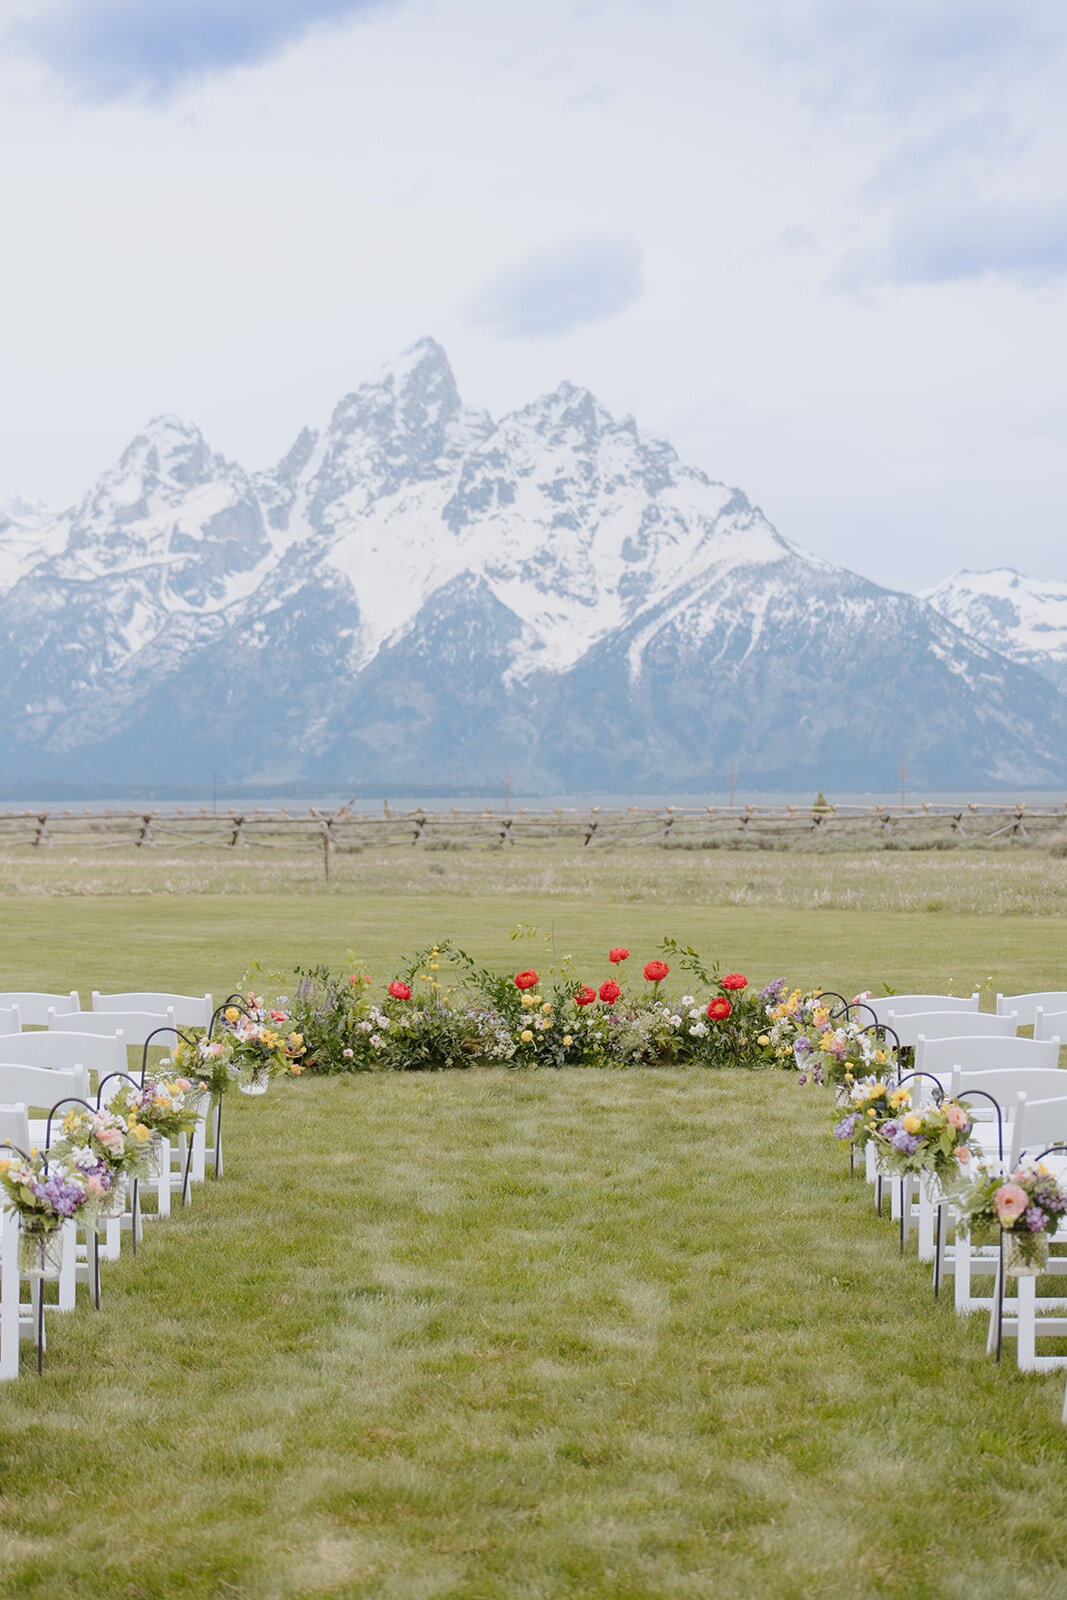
(34,1007)
(46,1087)
(916,1025)
(10,1020)
(906,1005)
(16,1320)
(188,1010)
(100,1054)
(1025,1005)
(984,1054)
(1049,1024)
(136,1026)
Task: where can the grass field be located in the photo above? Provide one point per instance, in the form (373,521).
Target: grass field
(530,1336)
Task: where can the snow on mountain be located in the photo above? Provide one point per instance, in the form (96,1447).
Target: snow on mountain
(417,593)
(29,534)
(1023,618)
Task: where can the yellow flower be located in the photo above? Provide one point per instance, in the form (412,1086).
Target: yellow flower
(434,965)
(527,1000)
(567,1041)
(912,1123)
(763,1040)
(547,1007)
(140,1132)
(231,1013)
(526,1036)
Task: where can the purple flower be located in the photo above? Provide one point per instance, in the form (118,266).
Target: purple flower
(63,1196)
(1035,1219)
(773,992)
(846,1127)
(906,1143)
(802,1046)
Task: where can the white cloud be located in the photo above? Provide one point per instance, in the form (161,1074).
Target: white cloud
(552,292)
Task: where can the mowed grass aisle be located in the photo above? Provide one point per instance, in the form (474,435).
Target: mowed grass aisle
(489,1334)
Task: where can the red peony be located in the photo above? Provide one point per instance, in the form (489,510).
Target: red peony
(399,991)
(735,980)
(585,996)
(719,1009)
(618,955)
(526,980)
(656,971)
(609,991)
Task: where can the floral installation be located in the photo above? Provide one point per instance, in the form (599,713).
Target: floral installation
(1026,1207)
(932,1138)
(203,1060)
(443,1009)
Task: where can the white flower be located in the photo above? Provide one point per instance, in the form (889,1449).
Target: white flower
(676,1022)
(694,1012)
(376,1040)
(698,1030)
(688,1000)
(365,1027)
(347,1054)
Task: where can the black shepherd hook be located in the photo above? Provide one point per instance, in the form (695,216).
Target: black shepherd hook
(144,1069)
(881,1030)
(39,1290)
(967,1094)
(938,1096)
(76,1100)
(135,1194)
(235,1002)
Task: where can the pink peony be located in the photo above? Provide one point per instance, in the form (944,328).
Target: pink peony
(963,1155)
(1011,1201)
(956,1117)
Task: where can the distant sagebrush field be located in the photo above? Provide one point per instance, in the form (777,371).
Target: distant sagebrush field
(998,879)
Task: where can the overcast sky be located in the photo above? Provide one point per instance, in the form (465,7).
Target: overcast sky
(820,245)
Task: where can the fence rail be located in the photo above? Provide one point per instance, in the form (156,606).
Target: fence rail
(587,827)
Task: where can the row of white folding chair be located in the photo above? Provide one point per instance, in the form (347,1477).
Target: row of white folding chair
(1026,1005)
(34,1007)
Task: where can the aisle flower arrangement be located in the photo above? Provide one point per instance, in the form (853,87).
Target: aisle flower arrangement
(44,1194)
(105,1149)
(1025,1209)
(933,1139)
(168,1107)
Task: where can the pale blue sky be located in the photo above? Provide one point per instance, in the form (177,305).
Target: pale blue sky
(821,245)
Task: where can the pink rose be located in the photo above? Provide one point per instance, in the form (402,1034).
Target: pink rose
(956,1117)
(1011,1201)
(963,1155)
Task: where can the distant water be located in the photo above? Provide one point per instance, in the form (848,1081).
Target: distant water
(568,802)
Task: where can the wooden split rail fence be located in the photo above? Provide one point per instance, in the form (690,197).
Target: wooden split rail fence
(668,826)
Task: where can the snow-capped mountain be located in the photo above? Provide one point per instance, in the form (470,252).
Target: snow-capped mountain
(1024,618)
(418,594)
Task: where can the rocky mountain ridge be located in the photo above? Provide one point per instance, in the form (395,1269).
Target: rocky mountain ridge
(418,594)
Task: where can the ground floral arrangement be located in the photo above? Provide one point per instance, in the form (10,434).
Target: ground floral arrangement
(443,1010)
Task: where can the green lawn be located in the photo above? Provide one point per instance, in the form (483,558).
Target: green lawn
(534,1336)
(560,1335)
